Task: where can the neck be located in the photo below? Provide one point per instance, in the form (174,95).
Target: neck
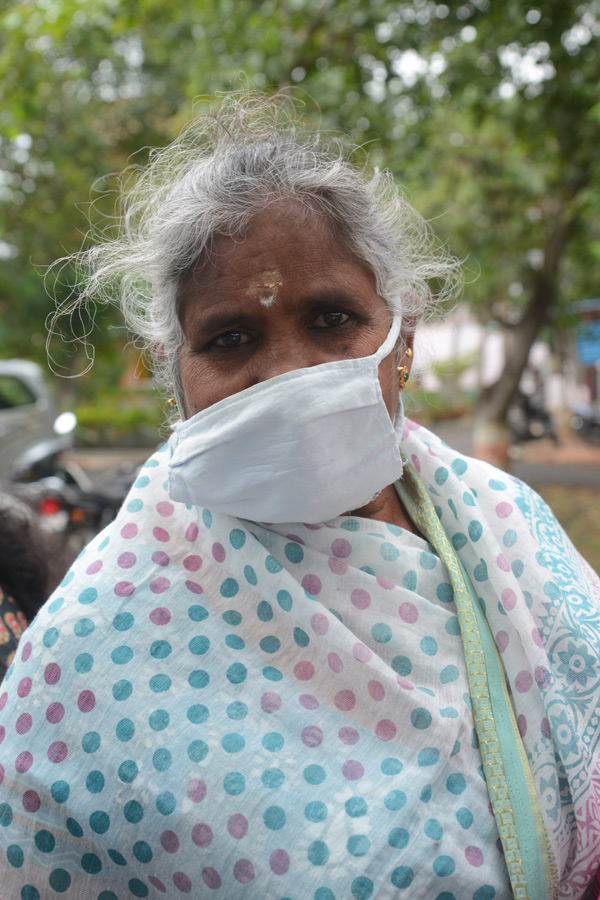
(386,507)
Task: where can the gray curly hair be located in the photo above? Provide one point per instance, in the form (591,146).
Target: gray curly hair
(224,168)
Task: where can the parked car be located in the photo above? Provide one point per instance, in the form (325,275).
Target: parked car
(32,433)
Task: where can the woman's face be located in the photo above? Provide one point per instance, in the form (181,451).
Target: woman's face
(288,295)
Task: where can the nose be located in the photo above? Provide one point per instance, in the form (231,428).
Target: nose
(285,356)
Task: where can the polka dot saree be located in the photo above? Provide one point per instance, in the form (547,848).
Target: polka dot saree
(217,708)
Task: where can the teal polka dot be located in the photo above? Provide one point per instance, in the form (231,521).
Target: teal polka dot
(50,637)
(402,665)
(294,552)
(135,505)
(107,895)
(60,791)
(284,598)
(429,645)
(137,888)
(318,853)
(125,730)
(142,852)
(315,811)
(314,774)
(142,482)
(90,863)
(398,838)
(301,637)
(350,525)
(229,588)
(166,803)
(90,742)
(443,866)
(234,783)
(68,578)
(95,782)
(433,829)
(480,571)
(271,673)
(45,841)
(362,888)
(99,821)
(159,719)
(464,817)
(198,613)
(449,712)
(233,743)
(475,530)
(517,569)
(82,628)
(237,538)
(74,827)
(409,580)
(456,783)
(199,678)
(459,540)
(427,560)
(6,814)
(274,818)
(368,570)
(270,644)
(356,807)
(234,642)
(273,741)
(272,566)
(237,710)
(207,517)
(395,800)
(272,778)
(497,485)
(429,756)
(420,718)
(452,626)
(485,892)
(381,633)
(358,845)
(122,690)
(162,759)
(236,673)
(402,877)
(28,892)
(449,674)
(389,552)
(197,713)
(60,880)
(88,595)
(117,857)
(160,649)
(123,621)
(128,771)
(391,766)
(324,893)
(15,856)
(445,593)
(459,467)
(158,684)
(468,498)
(250,575)
(199,645)
(510,538)
(56,604)
(264,611)
(441,475)
(197,750)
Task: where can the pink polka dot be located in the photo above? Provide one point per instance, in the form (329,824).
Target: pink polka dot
(160,585)
(202,834)
(194,587)
(376,690)
(408,612)
(522,725)
(334,662)
(545,728)
(24,761)
(157,883)
(57,752)
(2,733)
(543,677)
(360,598)
(2,773)
(52,673)
(312,584)
(304,670)
(26,652)
(127,560)
(86,701)
(404,683)
(509,598)
(474,856)
(337,566)
(22,690)
(218,552)
(94,567)
(196,790)
(31,801)
(169,842)
(160,616)
(279,862)
(161,558)
(23,723)
(211,878)
(55,713)
(503,510)
(348,735)
(523,681)
(294,537)
(411,426)
(352,770)
(385,730)
(129,531)
(536,637)
(345,700)
(124,589)
(311,736)
(502,641)
(270,702)
(341,548)
(164,508)
(192,563)
(415,461)
(243,871)
(319,623)
(502,563)
(182,882)
(161,534)
(386,585)
(191,533)
(308,701)
(361,652)
(237,826)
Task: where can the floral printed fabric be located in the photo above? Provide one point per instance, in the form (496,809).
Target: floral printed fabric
(222,709)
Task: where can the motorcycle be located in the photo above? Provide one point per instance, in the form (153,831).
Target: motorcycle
(586,422)
(529,420)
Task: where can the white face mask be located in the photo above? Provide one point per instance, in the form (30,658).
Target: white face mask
(305,446)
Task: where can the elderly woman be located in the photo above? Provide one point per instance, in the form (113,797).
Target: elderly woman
(319,655)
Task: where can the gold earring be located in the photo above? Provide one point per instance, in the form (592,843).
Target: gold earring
(172,401)
(403,372)
(409,352)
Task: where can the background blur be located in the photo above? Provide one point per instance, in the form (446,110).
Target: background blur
(487,113)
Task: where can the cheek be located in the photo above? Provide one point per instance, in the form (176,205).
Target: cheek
(388,379)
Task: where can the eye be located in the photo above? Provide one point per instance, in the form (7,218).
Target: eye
(331,319)
(229,340)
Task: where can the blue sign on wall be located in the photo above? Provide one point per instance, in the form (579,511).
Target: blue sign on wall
(588,342)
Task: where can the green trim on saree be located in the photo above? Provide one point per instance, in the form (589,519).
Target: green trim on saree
(527,851)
